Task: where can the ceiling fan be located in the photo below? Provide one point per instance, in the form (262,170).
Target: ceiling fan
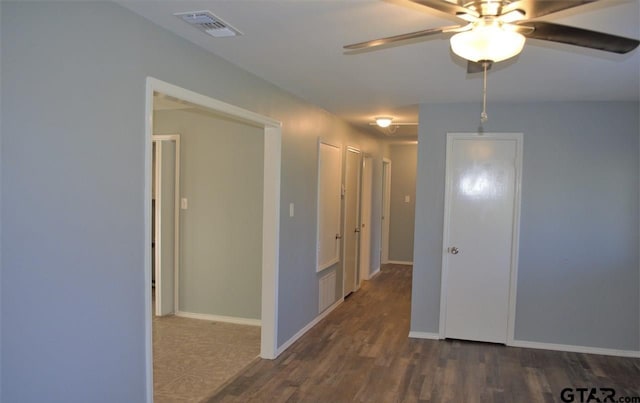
(491,31)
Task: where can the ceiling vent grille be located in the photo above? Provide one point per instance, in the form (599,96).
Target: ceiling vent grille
(206,22)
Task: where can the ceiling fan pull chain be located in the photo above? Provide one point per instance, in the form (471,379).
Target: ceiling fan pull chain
(483,115)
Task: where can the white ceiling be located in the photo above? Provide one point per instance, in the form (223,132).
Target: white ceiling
(297,45)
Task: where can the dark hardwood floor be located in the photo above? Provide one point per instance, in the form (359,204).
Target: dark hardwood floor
(361,353)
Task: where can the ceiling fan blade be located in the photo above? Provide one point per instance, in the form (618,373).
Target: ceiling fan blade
(446,7)
(579,37)
(477,67)
(384,41)
(537,8)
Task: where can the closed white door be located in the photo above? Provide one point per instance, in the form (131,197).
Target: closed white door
(480,239)
(365,219)
(351,220)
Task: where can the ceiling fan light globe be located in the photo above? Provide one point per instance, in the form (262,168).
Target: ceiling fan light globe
(487,43)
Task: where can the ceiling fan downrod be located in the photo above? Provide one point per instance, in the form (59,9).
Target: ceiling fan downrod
(483,116)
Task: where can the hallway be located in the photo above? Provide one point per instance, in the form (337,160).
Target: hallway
(361,353)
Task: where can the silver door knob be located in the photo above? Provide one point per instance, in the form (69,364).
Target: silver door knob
(453,250)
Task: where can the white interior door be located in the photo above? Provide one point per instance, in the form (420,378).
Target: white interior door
(351,220)
(166,220)
(480,240)
(386,210)
(365,219)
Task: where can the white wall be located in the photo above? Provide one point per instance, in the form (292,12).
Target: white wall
(578,275)
(73,99)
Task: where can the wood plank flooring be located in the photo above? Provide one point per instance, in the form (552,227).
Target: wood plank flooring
(361,353)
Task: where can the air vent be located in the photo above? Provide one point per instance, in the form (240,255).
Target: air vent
(207,22)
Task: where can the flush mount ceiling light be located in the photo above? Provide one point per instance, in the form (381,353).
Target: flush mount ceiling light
(390,127)
(488,40)
(384,121)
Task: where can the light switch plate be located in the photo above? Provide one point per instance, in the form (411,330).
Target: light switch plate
(183,203)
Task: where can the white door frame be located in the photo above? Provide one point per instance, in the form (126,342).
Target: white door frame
(351,149)
(159,138)
(386,210)
(365,218)
(515,230)
(270,213)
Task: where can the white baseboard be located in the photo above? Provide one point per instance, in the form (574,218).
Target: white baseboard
(400,262)
(220,318)
(375,273)
(308,327)
(424,335)
(575,349)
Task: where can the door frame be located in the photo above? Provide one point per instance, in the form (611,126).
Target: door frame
(356,274)
(386,210)
(270,213)
(515,236)
(158,139)
(366,198)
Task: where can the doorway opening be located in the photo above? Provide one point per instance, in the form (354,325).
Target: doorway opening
(400,195)
(165,227)
(366,218)
(269,209)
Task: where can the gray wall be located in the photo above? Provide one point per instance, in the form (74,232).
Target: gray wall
(73,104)
(221,231)
(578,275)
(1,130)
(404,158)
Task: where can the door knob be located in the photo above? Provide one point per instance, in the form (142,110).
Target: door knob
(453,250)
(357,230)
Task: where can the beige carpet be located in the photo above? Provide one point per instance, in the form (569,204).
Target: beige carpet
(192,358)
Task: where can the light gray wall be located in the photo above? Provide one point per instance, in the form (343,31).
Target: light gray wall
(221,231)
(166,200)
(404,159)
(1,130)
(578,275)
(73,104)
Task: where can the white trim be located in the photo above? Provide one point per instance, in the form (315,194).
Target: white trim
(270,214)
(518,137)
(574,349)
(270,242)
(424,335)
(308,327)
(220,318)
(176,219)
(515,240)
(375,273)
(405,262)
(158,223)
